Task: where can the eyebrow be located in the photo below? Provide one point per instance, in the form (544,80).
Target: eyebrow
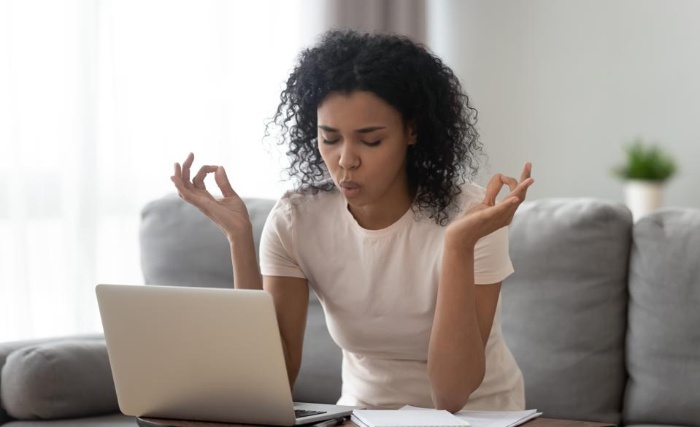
(362,130)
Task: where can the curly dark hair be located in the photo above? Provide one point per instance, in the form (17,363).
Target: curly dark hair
(408,77)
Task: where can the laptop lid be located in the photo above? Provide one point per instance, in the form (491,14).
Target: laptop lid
(196,354)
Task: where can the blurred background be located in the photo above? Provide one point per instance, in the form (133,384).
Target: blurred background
(98,99)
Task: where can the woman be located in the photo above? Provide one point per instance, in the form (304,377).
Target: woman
(406,256)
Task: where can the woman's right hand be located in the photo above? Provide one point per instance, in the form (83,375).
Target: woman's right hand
(229,212)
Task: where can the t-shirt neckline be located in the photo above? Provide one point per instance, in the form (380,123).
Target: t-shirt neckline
(400,223)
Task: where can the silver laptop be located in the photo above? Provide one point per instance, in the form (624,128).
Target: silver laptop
(201,354)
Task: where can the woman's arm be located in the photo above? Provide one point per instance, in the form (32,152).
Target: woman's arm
(291,298)
(464,312)
(246,272)
(463,319)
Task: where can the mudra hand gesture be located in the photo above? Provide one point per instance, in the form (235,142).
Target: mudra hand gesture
(489,215)
(228,212)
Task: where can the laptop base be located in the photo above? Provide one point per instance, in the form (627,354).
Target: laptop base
(162,422)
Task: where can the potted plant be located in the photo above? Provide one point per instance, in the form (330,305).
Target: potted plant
(645,171)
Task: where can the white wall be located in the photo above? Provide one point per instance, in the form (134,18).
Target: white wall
(566,83)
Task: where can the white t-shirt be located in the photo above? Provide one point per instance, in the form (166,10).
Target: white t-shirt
(378,289)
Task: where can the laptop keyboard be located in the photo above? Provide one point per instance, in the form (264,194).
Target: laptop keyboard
(301,413)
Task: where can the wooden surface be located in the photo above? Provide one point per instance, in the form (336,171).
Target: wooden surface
(537,422)
(549,422)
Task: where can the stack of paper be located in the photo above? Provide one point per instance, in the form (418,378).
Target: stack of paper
(419,417)
(490,418)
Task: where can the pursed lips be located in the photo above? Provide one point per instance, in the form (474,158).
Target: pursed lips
(349,184)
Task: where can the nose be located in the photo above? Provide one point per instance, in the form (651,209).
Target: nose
(349,159)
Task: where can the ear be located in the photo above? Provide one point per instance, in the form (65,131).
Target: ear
(412,133)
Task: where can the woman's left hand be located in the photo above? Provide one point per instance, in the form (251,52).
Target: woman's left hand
(489,215)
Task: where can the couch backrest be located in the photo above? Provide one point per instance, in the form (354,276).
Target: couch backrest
(663,337)
(181,246)
(564,308)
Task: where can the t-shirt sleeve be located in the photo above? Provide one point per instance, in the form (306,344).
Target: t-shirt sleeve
(491,260)
(278,255)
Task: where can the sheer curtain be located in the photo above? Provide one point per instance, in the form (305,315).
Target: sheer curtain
(406,17)
(98,98)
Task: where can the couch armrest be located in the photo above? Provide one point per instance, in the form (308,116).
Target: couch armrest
(7,348)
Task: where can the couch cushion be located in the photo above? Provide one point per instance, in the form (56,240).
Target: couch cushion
(59,380)
(663,340)
(180,246)
(564,308)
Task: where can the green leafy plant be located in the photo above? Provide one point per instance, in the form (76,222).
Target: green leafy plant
(646,162)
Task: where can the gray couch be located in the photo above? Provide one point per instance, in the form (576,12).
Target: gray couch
(602,315)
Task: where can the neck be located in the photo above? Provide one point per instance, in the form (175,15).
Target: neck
(377,216)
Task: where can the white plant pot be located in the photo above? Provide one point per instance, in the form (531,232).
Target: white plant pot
(643,197)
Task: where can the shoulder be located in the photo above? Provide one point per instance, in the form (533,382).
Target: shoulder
(304,213)
(471,194)
(305,203)
(299,213)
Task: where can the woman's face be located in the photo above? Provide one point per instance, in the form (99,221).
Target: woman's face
(363,142)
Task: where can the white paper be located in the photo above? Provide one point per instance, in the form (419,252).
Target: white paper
(491,418)
(420,417)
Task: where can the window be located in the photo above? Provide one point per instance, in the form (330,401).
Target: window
(99,99)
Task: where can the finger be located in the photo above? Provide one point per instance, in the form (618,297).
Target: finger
(521,190)
(223,182)
(492,189)
(179,185)
(177,174)
(183,188)
(198,179)
(527,172)
(186,165)
(510,182)
(176,178)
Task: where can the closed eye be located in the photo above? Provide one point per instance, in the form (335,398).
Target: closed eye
(368,143)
